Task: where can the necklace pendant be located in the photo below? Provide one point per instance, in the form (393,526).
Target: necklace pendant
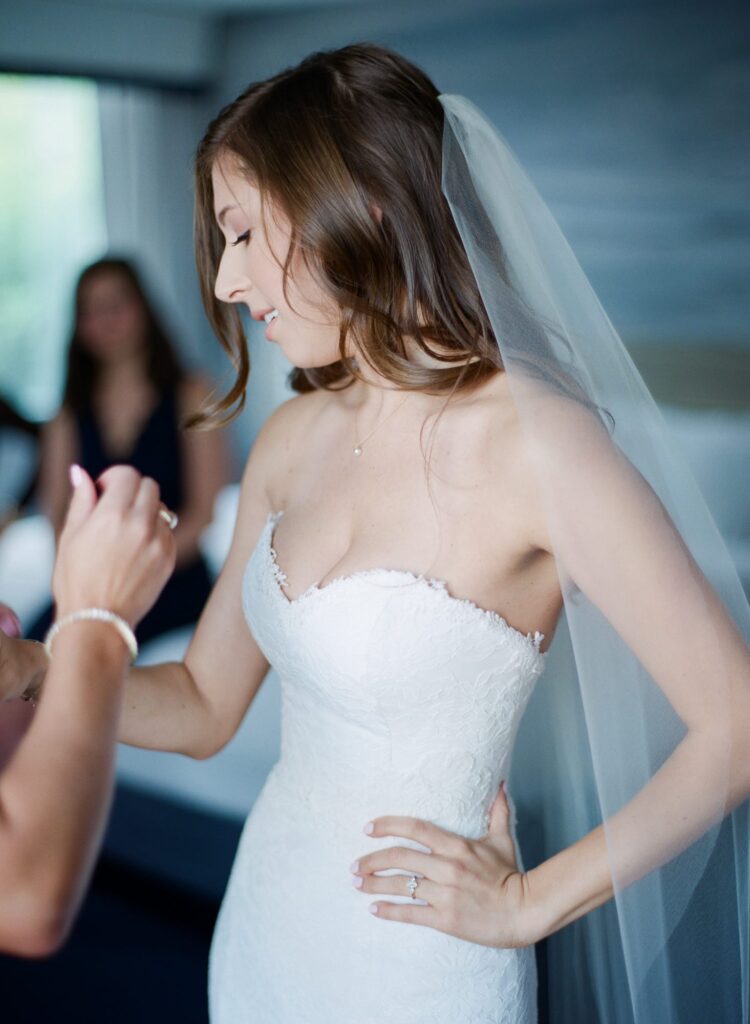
(357,450)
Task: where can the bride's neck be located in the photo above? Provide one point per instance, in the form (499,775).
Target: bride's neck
(376,391)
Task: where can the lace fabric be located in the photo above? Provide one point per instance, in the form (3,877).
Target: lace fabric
(408,578)
(426,729)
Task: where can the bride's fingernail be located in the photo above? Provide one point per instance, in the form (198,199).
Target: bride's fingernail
(357,881)
(75,474)
(368,827)
(373,908)
(354,866)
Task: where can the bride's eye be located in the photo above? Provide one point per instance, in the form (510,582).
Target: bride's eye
(241,238)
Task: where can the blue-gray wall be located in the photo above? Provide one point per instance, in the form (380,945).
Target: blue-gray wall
(633,121)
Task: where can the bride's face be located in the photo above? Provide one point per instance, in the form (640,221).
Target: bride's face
(250,272)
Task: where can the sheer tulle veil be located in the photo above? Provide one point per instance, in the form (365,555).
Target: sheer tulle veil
(634,722)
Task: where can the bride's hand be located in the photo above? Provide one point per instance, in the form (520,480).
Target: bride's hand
(473,887)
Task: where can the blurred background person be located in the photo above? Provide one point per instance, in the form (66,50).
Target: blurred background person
(19,458)
(125,398)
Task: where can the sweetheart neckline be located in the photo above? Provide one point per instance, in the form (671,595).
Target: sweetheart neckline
(433,584)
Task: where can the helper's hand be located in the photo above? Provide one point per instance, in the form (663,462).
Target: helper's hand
(115,551)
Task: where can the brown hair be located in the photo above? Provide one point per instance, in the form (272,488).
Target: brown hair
(342,130)
(162,366)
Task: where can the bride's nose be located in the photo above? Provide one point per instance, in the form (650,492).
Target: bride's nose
(231,282)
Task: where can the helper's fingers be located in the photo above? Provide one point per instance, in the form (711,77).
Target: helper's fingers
(82,502)
(147,500)
(119,486)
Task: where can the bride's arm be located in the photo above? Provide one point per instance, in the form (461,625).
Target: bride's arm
(625,553)
(195,706)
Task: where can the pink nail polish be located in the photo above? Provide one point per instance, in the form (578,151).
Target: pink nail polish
(368,828)
(75,474)
(10,625)
(354,866)
(373,908)
(357,882)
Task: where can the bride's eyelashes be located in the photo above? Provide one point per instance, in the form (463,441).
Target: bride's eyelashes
(244,237)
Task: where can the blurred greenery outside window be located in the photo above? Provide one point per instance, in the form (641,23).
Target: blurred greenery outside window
(52,222)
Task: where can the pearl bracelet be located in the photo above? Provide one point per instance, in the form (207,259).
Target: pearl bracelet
(99,615)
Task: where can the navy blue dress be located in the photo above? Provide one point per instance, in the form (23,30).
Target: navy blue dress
(157,453)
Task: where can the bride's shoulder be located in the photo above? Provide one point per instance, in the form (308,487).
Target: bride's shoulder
(282,434)
(491,428)
(484,423)
(291,418)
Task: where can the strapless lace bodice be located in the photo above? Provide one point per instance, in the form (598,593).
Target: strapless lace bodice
(397,698)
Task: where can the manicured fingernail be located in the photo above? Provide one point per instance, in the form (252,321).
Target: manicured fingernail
(368,827)
(357,881)
(373,908)
(76,474)
(504,786)
(355,866)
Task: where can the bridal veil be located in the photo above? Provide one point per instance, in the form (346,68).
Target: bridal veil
(636,722)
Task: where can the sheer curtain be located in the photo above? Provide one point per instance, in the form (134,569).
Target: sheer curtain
(148,136)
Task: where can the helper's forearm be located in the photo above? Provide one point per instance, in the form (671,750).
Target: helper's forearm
(164,709)
(676,807)
(56,791)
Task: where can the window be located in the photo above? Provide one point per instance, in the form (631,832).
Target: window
(52,222)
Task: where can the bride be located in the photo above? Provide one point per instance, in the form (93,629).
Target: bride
(412,526)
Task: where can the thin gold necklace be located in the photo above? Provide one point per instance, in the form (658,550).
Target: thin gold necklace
(358,444)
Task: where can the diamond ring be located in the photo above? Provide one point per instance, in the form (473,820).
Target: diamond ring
(170,518)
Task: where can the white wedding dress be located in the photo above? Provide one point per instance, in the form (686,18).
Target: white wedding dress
(398,699)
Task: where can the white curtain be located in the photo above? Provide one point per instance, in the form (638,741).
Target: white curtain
(148,137)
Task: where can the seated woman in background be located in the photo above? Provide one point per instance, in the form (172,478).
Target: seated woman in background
(19,443)
(125,398)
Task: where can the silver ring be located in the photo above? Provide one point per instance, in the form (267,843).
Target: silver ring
(170,518)
(411,885)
